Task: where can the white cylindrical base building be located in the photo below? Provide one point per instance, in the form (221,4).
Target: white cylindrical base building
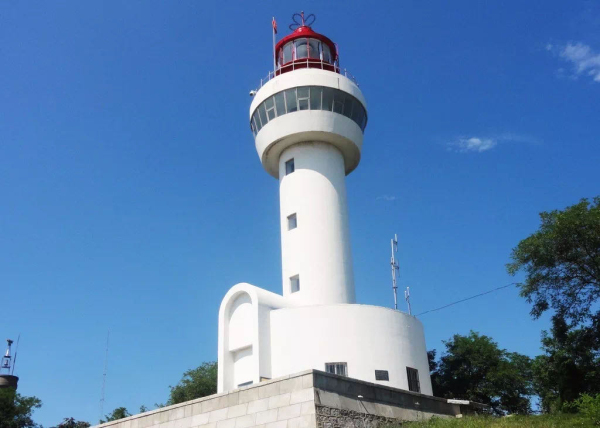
(365,342)
(315,247)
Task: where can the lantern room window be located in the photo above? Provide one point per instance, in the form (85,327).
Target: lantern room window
(326,53)
(301,48)
(313,48)
(287,53)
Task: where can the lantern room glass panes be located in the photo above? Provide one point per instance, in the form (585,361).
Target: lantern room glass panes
(313,48)
(287,53)
(301,48)
(308,98)
(326,53)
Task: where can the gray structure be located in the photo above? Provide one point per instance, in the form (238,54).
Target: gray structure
(7,380)
(309,399)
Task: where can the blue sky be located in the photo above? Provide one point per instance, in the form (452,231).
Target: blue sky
(133,198)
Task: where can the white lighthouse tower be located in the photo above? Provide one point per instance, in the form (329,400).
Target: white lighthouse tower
(308,121)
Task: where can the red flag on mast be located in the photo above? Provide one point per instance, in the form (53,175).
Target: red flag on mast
(274,24)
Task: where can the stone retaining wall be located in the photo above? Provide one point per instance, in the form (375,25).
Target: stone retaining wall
(309,399)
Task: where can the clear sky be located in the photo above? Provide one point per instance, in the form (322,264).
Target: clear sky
(132,197)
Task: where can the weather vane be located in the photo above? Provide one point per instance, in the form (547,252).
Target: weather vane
(299,20)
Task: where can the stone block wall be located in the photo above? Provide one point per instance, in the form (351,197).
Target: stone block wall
(287,402)
(309,399)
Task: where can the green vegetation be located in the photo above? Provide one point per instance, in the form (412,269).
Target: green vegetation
(541,421)
(195,383)
(562,265)
(72,423)
(16,410)
(118,413)
(474,368)
(562,262)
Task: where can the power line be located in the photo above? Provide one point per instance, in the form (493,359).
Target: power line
(468,298)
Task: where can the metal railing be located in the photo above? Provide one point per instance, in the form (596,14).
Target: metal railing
(304,64)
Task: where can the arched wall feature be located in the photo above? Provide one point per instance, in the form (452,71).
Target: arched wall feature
(248,357)
(240,323)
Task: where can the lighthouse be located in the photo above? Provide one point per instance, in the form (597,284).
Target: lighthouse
(308,120)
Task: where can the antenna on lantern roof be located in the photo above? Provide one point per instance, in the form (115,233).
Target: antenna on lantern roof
(395,269)
(407,298)
(299,20)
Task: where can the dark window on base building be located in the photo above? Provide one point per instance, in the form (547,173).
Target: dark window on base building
(413,379)
(337,368)
(382,375)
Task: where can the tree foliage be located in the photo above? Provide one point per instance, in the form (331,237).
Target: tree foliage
(474,368)
(16,410)
(562,262)
(195,383)
(118,413)
(570,365)
(72,423)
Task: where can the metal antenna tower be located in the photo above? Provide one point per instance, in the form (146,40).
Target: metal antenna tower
(395,270)
(407,298)
(104,377)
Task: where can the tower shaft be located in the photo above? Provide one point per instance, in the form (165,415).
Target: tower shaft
(315,238)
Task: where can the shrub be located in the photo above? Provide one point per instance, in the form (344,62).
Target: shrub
(589,406)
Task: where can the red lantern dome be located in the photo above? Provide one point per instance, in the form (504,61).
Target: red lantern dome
(305,49)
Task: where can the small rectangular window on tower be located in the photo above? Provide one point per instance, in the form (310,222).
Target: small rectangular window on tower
(413,379)
(337,368)
(295,283)
(289,166)
(292,221)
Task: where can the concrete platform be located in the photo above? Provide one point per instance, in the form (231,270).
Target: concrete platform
(309,399)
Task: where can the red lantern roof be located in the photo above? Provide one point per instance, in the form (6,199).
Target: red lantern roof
(305,31)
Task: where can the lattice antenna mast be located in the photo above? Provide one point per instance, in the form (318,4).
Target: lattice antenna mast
(395,269)
(104,377)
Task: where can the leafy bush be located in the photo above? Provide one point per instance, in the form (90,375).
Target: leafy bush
(589,406)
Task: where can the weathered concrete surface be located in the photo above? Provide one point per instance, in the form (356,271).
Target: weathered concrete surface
(309,399)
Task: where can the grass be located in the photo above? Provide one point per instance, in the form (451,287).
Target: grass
(542,421)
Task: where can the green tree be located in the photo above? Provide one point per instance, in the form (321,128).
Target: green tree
(72,423)
(474,368)
(118,413)
(16,410)
(195,383)
(570,365)
(562,262)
